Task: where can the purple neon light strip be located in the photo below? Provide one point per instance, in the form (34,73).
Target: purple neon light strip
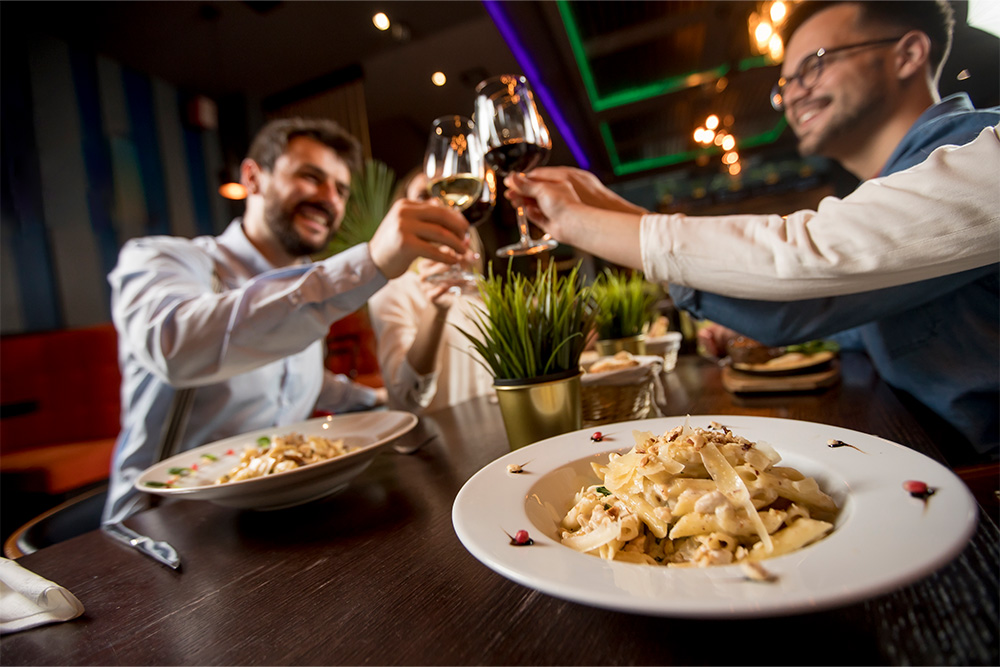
(524,59)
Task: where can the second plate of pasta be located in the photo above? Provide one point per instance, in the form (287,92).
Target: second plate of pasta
(619,524)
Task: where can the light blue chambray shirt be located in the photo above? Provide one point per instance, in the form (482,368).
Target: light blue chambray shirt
(937,339)
(254,351)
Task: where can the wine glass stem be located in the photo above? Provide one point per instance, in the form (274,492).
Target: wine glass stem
(522,226)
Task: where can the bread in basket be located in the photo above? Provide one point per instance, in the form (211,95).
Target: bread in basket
(618,388)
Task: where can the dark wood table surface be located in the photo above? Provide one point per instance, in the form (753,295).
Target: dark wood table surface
(375,575)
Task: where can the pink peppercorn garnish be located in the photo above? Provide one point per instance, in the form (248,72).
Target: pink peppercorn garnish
(918,489)
(521,539)
(597,437)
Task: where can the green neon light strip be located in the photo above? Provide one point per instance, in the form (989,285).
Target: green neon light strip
(651,90)
(576,44)
(623,169)
(631,95)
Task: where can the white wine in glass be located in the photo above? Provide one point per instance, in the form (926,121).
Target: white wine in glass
(455,170)
(516,140)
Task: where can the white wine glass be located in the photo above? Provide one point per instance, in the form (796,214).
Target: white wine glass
(516,140)
(455,169)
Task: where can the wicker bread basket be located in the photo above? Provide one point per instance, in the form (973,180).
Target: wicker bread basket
(618,395)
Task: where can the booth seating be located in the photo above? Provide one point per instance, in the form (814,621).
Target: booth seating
(350,349)
(59,409)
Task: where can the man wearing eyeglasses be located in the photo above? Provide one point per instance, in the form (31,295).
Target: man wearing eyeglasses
(858,85)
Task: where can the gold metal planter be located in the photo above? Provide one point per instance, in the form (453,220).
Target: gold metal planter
(539,408)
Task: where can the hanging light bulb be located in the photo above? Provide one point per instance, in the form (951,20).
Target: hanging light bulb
(231,187)
(779,10)
(381,21)
(233,191)
(762,33)
(776,48)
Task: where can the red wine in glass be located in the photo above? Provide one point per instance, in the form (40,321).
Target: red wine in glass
(516,157)
(479,211)
(516,140)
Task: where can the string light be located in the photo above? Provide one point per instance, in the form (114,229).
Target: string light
(439,79)
(381,21)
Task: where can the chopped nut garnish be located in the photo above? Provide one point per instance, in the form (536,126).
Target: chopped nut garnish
(756,572)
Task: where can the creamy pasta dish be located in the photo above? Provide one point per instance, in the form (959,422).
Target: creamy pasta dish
(280,453)
(696,497)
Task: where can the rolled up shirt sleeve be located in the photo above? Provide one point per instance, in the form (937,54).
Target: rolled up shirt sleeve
(938,218)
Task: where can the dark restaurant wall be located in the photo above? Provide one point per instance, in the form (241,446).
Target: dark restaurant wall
(94,154)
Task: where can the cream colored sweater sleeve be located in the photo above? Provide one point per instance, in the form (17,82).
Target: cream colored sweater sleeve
(937,218)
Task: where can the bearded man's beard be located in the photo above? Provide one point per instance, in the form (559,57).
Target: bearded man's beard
(281,224)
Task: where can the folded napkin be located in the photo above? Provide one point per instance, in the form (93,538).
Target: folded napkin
(27,600)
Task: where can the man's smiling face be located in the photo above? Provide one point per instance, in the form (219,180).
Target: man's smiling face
(834,113)
(305,196)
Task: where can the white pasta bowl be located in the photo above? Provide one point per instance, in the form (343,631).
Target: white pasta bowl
(883,538)
(365,434)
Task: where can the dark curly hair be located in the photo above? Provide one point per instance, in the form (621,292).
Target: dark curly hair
(273,139)
(936,19)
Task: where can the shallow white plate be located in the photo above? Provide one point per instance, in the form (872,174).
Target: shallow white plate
(884,538)
(366,433)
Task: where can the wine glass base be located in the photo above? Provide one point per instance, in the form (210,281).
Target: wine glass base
(464,280)
(529,248)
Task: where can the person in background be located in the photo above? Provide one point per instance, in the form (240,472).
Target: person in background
(859,85)
(426,362)
(240,318)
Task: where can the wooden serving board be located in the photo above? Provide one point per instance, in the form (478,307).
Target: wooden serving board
(746,383)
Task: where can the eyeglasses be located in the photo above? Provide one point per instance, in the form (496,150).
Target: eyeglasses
(812,67)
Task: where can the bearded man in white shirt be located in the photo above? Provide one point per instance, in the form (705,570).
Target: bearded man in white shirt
(240,318)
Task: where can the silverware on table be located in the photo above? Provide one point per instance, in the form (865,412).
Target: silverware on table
(160,551)
(410,449)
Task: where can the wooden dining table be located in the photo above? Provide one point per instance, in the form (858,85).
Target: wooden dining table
(375,575)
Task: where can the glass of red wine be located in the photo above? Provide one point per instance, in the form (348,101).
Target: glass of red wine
(516,140)
(455,170)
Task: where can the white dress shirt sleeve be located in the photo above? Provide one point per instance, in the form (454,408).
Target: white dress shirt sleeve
(934,219)
(189,335)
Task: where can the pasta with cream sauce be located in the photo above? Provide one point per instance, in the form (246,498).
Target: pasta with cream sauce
(281,453)
(696,497)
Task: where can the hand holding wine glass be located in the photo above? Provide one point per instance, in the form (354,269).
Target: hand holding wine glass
(455,170)
(516,140)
